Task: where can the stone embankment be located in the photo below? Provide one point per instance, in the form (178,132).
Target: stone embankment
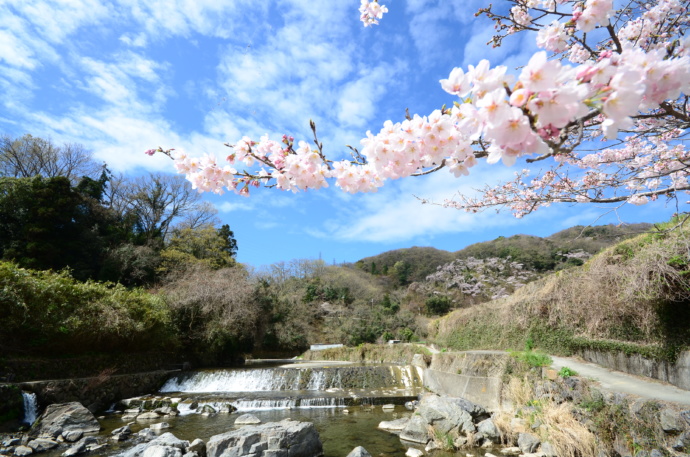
(562,413)
(97,393)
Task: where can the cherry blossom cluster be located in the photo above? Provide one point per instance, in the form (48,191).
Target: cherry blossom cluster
(370,12)
(624,95)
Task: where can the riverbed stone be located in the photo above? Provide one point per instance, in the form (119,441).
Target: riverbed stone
(528,443)
(42,444)
(64,417)
(359,451)
(416,430)
(159,426)
(412,452)
(446,413)
(489,431)
(287,438)
(198,446)
(207,410)
(397,424)
(72,436)
(161,451)
(21,451)
(247,419)
(149,415)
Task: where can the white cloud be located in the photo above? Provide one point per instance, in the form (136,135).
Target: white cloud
(395,215)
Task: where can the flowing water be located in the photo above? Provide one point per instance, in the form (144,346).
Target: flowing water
(30,407)
(343,403)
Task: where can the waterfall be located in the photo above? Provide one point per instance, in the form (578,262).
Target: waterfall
(295,379)
(30,407)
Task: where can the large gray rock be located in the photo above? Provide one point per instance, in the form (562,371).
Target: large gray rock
(489,430)
(161,451)
(21,451)
(528,443)
(42,444)
(416,430)
(64,417)
(359,451)
(166,445)
(275,439)
(397,424)
(670,421)
(447,413)
(247,419)
(198,447)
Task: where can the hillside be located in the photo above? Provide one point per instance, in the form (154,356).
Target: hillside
(536,253)
(631,297)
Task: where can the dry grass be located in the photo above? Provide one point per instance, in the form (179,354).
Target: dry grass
(569,437)
(617,295)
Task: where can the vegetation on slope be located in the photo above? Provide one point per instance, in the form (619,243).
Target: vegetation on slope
(634,297)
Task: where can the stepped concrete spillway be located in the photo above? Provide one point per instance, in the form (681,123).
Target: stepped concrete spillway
(310,385)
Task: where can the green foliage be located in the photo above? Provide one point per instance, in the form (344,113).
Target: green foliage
(566,372)
(202,245)
(50,312)
(437,305)
(532,358)
(45,223)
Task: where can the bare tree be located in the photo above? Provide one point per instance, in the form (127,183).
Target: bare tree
(31,156)
(157,203)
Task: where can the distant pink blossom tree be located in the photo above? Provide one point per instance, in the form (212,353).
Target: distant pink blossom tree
(603,107)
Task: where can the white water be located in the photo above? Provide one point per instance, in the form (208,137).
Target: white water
(30,407)
(290,379)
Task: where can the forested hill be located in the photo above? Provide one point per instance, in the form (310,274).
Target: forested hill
(565,248)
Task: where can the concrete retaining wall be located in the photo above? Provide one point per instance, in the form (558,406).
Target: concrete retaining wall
(677,374)
(473,375)
(96,393)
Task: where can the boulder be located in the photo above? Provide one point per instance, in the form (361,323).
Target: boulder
(548,450)
(397,424)
(198,447)
(75,449)
(207,410)
(126,430)
(149,415)
(359,451)
(412,452)
(670,421)
(72,436)
(528,443)
(161,451)
(683,442)
(447,413)
(159,426)
(21,451)
(61,418)
(226,408)
(489,430)
(42,444)
(247,419)
(146,434)
(275,439)
(416,430)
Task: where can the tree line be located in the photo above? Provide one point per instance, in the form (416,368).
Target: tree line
(60,208)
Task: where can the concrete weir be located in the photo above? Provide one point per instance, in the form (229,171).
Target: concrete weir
(473,375)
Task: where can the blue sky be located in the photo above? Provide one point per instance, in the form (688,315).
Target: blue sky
(123,76)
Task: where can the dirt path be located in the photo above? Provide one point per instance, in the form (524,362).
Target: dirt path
(617,381)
